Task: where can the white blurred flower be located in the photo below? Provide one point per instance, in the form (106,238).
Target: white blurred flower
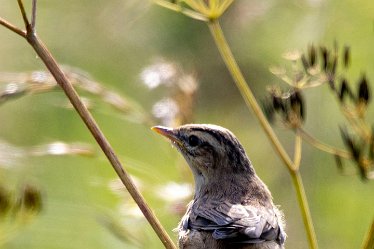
(174,191)
(158,74)
(60,148)
(166,110)
(41,77)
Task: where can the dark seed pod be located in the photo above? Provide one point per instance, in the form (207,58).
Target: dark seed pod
(333,65)
(297,104)
(31,199)
(351,145)
(363,91)
(345,90)
(278,104)
(4,201)
(325,58)
(268,109)
(346,56)
(339,163)
(305,63)
(312,55)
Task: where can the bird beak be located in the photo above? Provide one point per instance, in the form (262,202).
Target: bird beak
(169,133)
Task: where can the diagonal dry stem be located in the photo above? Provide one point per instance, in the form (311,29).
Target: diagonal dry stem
(87,118)
(12,27)
(24,15)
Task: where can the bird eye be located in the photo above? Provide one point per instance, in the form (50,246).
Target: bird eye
(193,141)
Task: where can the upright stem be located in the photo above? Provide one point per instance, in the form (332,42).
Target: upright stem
(297,153)
(251,102)
(245,91)
(369,238)
(91,124)
(303,203)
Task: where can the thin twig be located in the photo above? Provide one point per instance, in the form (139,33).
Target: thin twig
(177,8)
(91,124)
(33,14)
(13,28)
(24,15)
(323,146)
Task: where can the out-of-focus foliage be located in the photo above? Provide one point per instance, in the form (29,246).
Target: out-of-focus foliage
(131,46)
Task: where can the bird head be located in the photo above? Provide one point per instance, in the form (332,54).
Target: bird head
(212,152)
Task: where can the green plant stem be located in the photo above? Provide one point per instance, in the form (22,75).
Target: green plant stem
(252,104)
(43,53)
(369,238)
(323,146)
(298,183)
(305,212)
(297,153)
(245,91)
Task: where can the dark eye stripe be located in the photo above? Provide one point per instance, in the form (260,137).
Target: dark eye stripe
(213,133)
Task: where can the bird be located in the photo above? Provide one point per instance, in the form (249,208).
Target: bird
(232,208)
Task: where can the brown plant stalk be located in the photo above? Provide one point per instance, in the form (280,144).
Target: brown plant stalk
(61,79)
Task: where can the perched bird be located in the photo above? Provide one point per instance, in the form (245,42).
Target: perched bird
(232,208)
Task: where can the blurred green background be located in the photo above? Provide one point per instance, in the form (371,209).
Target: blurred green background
(115,41)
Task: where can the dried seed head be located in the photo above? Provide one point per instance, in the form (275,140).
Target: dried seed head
(363,91)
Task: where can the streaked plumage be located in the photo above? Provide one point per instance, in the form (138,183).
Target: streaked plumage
(232,207)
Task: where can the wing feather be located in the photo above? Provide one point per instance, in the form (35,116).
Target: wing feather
(236,222)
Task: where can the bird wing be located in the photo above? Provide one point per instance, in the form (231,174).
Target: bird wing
(236,222)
